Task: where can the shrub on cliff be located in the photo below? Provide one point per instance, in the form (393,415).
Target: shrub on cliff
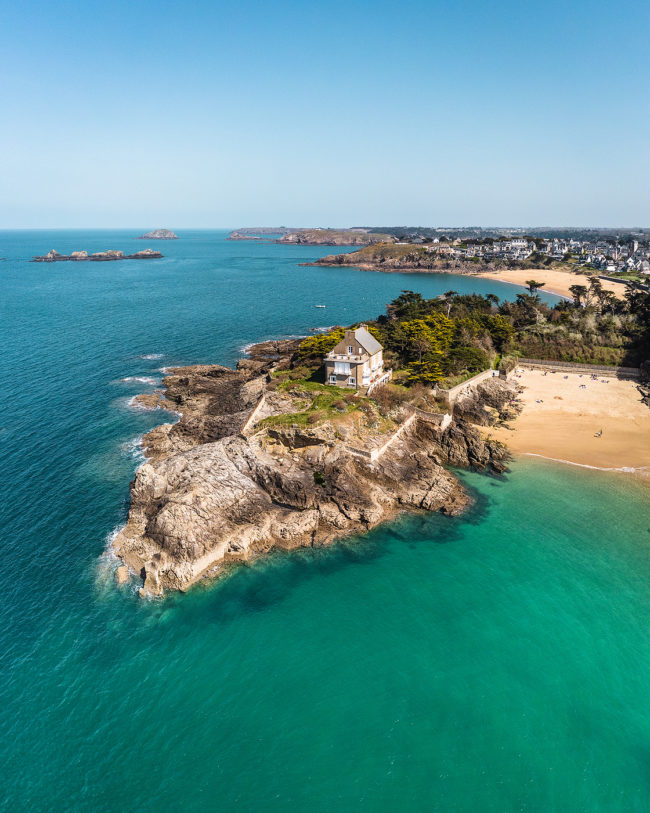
(471,359)
(320,344)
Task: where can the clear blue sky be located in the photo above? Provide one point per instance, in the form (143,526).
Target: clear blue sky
(213,114)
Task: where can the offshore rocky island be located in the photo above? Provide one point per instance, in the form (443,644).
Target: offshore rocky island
(99,256)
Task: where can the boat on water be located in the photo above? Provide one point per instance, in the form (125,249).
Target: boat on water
(320,306)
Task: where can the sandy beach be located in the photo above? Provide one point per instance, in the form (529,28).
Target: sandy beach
(562,413)
(557,282)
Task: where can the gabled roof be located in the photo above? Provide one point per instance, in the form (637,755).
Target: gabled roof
(367,341)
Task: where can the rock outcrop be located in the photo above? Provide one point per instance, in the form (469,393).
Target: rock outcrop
(99,256)
(240,474)
(159,234)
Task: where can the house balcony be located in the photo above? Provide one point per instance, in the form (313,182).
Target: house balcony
(373,376)
(346,357)
(379,380)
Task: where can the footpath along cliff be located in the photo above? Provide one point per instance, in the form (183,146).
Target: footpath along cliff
(259,460)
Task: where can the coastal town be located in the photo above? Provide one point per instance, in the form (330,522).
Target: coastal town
(623,255)
(601,255)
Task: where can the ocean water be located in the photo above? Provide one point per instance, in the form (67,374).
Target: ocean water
(495,662)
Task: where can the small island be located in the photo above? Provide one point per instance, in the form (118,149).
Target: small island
(98,257)
(159,234)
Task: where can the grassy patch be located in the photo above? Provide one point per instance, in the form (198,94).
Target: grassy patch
(288,419)
(633,276)
(318,402)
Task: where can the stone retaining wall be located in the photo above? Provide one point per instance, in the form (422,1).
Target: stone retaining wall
(250,421)
(436,418)
(578,367)
(450,396)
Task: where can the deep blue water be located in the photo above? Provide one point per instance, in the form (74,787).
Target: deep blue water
(495,662)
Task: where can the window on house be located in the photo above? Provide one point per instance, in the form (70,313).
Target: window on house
(350,349)
(350,380)
(332,379)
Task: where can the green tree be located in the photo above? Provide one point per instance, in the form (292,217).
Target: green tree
(472,359)
(500,329)
(579,293)
(320,344)
(448,299)
(420,337)
(427,370)
(408,305)
(534,286)
(443,329)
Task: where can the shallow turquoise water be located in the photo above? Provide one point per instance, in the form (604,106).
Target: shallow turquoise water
(496,662)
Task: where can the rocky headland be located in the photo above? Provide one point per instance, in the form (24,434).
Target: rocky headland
(262,460)
(259,233)
(313,237)
(388,256)
(100,256)
(159,234)
(335,237)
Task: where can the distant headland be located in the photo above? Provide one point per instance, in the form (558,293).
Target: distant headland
(314,237)
(159,234)
(259,232)
(99,256)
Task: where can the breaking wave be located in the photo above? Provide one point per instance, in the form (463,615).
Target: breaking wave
(140,379)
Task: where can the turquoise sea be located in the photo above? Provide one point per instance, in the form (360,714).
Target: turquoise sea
(494,662)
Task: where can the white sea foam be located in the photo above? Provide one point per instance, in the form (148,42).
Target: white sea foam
(246,347)
(626,469)
(110,539)
(133,404)
(140,379)
(152,356)
(108,562)
(133,448)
